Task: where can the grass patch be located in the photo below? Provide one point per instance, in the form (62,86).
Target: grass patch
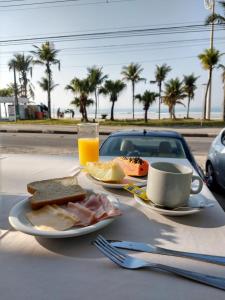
(137,122)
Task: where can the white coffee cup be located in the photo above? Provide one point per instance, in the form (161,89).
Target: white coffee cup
(169,184)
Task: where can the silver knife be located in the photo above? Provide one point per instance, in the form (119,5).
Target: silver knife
(142,247)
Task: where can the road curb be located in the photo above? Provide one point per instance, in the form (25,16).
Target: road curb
(101,132)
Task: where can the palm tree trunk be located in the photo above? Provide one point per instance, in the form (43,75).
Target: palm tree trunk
(174,117)
(112,111)
(84,102)
(25,84)
(82,109)
(133,87)
(85,114)
(188,108)
(96,103)
(160,91)
(16,92)
(49,91)
(170,111)
(146,116)
(224,102)
(206,94)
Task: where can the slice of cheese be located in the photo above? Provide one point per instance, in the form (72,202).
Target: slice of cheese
(51,218)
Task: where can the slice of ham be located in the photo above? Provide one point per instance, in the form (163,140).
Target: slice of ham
(93,209)
(86,216)
(94,203)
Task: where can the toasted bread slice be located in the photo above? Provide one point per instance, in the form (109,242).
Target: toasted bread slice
(43,185)
(55,191)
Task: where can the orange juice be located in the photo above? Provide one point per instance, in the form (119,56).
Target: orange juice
(88,149)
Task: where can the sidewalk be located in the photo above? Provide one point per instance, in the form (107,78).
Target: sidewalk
(105,130)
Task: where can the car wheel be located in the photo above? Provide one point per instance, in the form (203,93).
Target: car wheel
(210,177)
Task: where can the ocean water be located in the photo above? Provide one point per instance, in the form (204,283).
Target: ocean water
(126,113)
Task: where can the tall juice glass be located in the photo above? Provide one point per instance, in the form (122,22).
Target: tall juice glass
(88,143)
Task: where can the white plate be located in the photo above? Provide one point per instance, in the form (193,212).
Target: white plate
(18,220)
(127,180)
(182,211)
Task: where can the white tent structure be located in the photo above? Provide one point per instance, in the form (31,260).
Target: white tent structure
(10,101)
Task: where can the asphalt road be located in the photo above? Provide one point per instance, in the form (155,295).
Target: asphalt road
(57,144)
(66,144)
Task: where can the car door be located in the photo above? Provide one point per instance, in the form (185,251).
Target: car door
(220,147)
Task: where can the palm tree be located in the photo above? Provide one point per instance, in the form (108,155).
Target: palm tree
(216,18)
(220,66)
(71,112)
(96,77)
(81,88)
(23,67)
(148,98)
(209,59)
(12,66)
(160,76)
(174,92)
(6,92)
(189,88)
(113,89)
(132,73)
(44,84)
(46,55)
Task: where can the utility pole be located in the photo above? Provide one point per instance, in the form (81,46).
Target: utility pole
(210,4)
(16,93)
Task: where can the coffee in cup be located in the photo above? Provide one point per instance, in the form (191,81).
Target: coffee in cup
(169,185)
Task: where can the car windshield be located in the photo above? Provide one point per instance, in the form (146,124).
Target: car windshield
(144,146)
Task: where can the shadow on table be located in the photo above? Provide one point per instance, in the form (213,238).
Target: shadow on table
(210,217)
(219,195)
(7,201)
(133,225)
(206,218)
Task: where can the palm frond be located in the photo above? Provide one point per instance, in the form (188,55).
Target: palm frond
(214,18)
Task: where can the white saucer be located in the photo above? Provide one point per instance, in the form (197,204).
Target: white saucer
(127,180)
(181,211)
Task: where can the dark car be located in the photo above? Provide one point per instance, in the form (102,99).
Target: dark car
(144,143)
(215,163)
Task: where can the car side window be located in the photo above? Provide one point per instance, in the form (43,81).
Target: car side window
(223,138)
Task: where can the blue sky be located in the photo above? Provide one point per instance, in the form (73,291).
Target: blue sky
(98,16)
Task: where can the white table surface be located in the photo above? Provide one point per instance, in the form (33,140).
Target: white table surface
(37,268)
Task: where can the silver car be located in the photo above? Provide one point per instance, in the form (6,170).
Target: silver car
(215,164)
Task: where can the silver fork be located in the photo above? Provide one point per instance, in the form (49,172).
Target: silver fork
(129,262)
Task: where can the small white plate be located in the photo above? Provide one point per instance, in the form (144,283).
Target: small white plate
(18,220)
(181,211)
(127,180)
